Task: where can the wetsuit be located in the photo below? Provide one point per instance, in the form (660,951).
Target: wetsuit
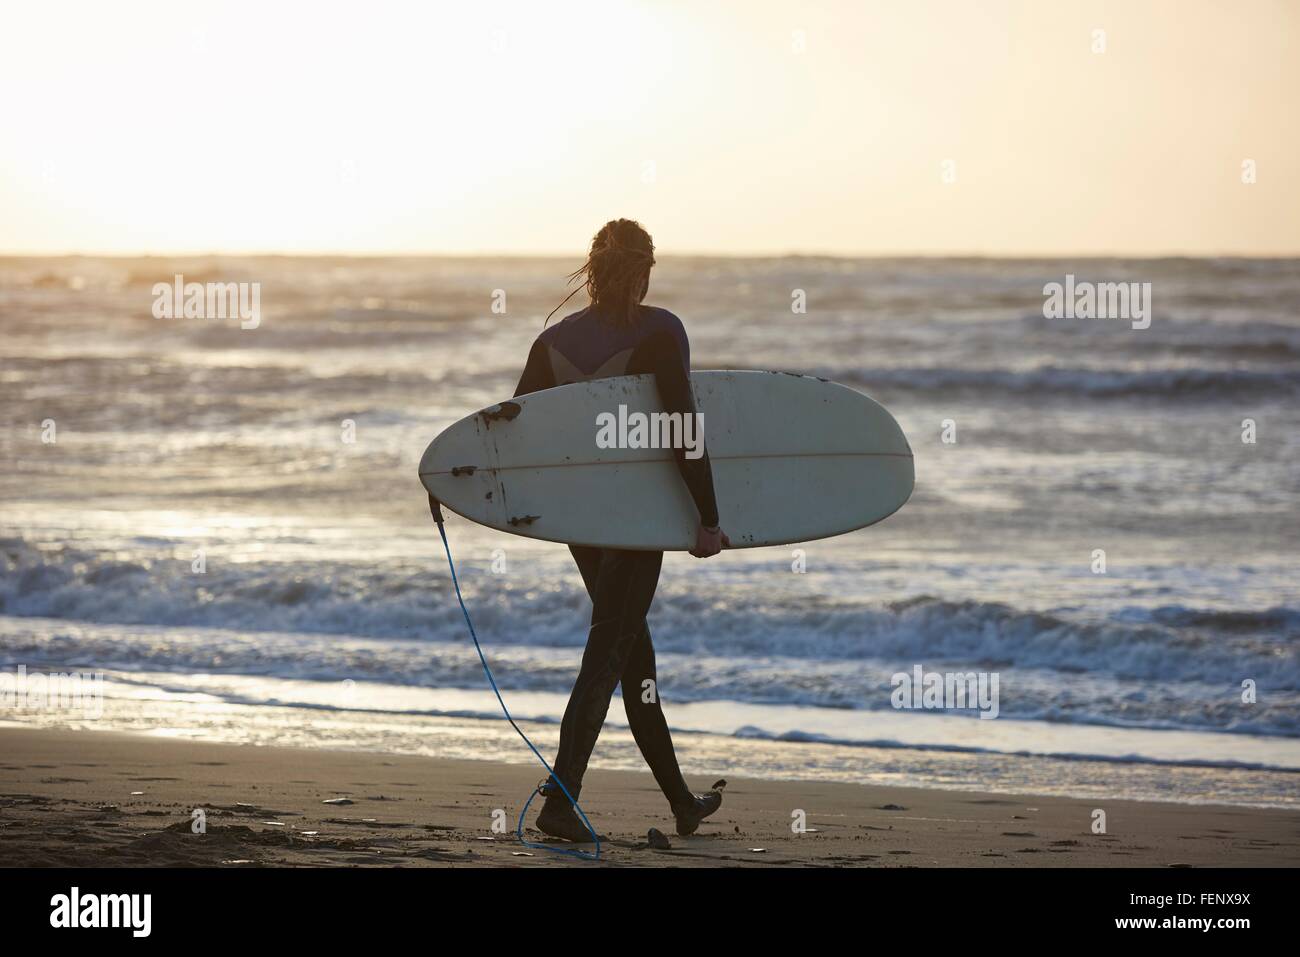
(587,345)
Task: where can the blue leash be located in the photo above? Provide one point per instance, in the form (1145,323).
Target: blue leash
(519,830)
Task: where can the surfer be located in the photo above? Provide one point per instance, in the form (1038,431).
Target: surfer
(617,335)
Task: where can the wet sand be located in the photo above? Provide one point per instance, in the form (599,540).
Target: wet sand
(77,798)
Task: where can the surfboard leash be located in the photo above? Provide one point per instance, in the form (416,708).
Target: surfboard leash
(436,511)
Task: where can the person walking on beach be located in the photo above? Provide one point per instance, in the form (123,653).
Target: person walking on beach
(617,335)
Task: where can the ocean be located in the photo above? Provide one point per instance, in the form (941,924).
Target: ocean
(226,522)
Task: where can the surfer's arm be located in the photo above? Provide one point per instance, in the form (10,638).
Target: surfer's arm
(661,354)
(537,371)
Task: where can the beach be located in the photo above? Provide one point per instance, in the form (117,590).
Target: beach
(115,800)
(710,401)
(223,530)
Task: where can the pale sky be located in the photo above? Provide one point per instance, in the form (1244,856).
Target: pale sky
(726,127)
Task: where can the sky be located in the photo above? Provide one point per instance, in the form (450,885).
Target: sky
(933,127)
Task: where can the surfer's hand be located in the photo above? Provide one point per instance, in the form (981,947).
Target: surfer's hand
(709,541)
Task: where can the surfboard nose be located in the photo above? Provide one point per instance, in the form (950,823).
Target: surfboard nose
(429,465)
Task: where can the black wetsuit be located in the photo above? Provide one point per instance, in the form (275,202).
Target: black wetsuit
(588,345)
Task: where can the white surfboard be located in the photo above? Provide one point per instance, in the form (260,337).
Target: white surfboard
(795,458)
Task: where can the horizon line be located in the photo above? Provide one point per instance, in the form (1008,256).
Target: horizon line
(479,254)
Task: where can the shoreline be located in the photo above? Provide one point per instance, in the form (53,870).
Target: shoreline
(927,752)
(67,798)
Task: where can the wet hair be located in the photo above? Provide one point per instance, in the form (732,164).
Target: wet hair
(616,274)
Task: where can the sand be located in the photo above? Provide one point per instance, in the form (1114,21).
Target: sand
(79,798)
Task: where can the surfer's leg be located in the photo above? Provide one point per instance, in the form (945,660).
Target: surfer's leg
(645,716)
(625,584)
(588,560)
